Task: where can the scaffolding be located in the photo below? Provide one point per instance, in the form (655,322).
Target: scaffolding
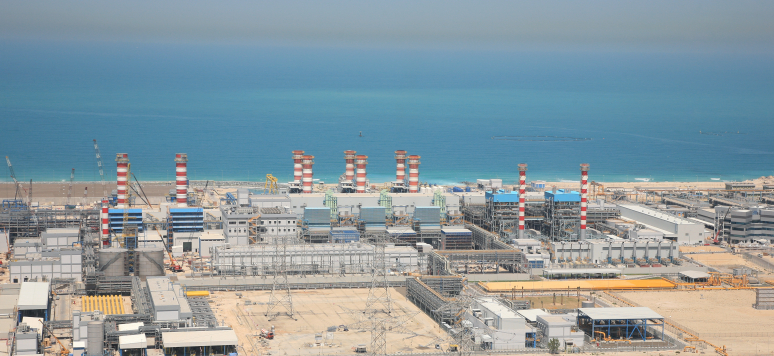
(562,220)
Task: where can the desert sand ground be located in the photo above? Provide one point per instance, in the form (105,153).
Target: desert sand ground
(317,310)
(723,316)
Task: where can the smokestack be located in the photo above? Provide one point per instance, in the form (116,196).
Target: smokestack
(349,173)
(522,196)
(361,161)
(584,191)
(413,162)
(122,167)
(307,162)
(400,173)
(103,216)
(181,179)
(297,169)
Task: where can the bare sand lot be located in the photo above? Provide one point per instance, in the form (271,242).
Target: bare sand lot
(722,317)
(317,310)
(725,262)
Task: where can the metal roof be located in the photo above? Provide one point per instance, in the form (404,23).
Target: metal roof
(620,313)
(130,326)
(138,341)
(694,274)
(33,296)
(199,338)
(582,271)
(531,314)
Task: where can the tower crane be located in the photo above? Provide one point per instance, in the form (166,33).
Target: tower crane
(19,188)
(70,188)
(101,173)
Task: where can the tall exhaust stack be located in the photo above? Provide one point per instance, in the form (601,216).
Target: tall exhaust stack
(122,167)
(307,162)
(181,179)
(298,156)
(361,161)
(413,162)
(103,217)
(400,172)
(349,173)
(522,196)
(584,203)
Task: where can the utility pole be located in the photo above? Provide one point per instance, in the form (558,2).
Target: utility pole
(280,289)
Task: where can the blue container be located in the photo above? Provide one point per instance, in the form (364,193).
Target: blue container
(467,189)
(457,189)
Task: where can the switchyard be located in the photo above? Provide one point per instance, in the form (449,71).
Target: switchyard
(380,268)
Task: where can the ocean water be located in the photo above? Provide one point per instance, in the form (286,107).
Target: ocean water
(238,111)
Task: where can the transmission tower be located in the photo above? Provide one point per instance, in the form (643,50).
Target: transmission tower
(280,289)
(101,173)
(70,188)
(379,294)
(462,330)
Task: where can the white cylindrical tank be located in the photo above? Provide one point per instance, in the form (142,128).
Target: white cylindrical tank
(151,261)
(115,268)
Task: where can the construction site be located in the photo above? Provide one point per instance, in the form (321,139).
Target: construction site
(400,267)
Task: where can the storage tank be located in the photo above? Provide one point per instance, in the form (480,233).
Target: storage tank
(151,261)
(587,304)
(94,342)
(116,268)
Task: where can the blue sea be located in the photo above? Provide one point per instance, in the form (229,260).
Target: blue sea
(239,110)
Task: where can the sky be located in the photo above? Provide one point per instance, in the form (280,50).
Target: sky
(653,24)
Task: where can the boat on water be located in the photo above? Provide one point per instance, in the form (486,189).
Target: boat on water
(642,179)
(714,178)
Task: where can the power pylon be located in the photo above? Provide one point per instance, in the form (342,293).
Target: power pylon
(379,293)
(280,289)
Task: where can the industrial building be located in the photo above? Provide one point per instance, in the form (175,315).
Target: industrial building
(740,225)
(616,251)
(683,231)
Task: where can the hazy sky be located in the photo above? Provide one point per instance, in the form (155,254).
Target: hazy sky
(444,24)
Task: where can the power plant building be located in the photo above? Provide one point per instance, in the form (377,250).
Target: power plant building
(685,232)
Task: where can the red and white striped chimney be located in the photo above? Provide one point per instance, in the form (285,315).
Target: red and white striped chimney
(297,168)
(103,217)
(522,196)
(413,162)
(181,179)
(122,167)
(400,172)
(307,162)
(584,194)
(361,161)
(349,173)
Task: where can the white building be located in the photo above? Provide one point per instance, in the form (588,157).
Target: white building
(615,251)
(499,327)
(684,231)
(560,327)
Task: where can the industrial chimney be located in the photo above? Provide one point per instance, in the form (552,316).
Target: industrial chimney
(361,161)
(103,217)
(400,172)
(122,167)
(413,162)
(349,173)
(181,179)
(307,162)
(522,196)
(584,193)
(297,169)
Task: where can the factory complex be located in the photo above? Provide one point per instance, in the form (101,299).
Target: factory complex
(401,267)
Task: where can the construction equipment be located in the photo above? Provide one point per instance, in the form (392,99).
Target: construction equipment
(63,350)
(453,348)
(692,348)
(143,197)
(173,266)
(270,187)
(70,187)
(99,165)
(19,188)
(723,222)
(269,335)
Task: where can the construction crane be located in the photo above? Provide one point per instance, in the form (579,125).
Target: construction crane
(70,188)
(101,172)
(63,350)
(270,187)
(173,266)
(19,188)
